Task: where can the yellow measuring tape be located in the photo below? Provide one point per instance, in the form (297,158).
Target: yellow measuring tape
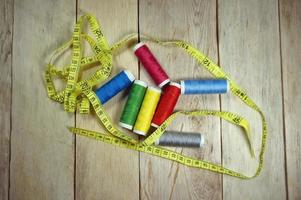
(78,95)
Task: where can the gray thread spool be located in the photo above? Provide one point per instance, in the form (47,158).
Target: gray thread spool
(181,139)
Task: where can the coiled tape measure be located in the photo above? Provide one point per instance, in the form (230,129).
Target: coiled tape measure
(78,94)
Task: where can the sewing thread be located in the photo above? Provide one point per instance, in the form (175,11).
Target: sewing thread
(147,110)
(118,83)
(151,64)
(207,86)
(133,104)
(181,139)
(167,103)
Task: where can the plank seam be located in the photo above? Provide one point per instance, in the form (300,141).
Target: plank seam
(74,136)
(11,98)
(283,104)
(219,96)
(139,153)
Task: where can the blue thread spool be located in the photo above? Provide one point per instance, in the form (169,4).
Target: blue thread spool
(207,86)
(118,83)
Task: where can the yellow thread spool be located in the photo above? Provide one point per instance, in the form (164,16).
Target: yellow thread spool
(147,110)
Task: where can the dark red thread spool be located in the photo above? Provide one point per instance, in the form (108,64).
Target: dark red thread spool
(167,103)
(151,64)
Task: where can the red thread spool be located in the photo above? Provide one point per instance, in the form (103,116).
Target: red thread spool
(151,64)
(167,103)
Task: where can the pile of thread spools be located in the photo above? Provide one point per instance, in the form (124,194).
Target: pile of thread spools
(149,106)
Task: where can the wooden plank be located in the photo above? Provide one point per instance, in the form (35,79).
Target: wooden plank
(290,18)
(195,22)
(6,21)
(249,52)
(42,149)
(104,171)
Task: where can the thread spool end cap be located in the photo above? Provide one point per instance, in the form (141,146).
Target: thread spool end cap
(202,142)
(126,126)
(129,75)
(182,87)
(154,125)
(139,82)
(158,90)
(137,46)
(164,83)
(139,132)
(228,86)
(175,84)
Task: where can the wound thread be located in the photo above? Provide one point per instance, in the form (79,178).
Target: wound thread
(147,110)
(167,103)
(181,139)
(116,84)
(151,64)
(133,104)
(207,86)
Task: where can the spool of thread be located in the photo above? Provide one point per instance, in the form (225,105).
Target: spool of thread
(118,83)
(132,105)
(209,86)
(147,110)
(167,103)
(151,64)
(181,139)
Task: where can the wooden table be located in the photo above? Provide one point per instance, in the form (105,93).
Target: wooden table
(258,42)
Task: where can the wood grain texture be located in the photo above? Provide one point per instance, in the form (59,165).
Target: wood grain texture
(6,22)
(104,171)
(42,151)
(290,18)
(195,22)
(249,52)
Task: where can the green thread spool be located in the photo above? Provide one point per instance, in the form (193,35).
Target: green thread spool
(132,106)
